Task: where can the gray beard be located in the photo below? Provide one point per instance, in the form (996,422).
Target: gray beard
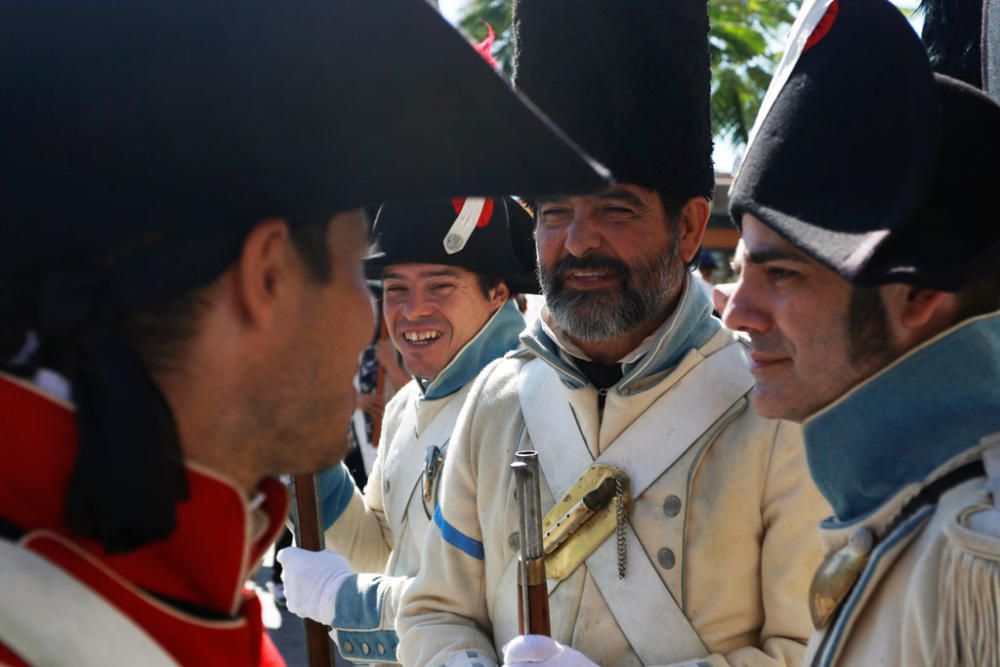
(601,315)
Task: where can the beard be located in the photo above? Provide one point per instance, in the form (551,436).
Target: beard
(644,292)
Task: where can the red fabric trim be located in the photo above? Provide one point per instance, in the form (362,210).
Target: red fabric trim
(8,657)
(206,562)
(484,217)
(191,641)
(824,26)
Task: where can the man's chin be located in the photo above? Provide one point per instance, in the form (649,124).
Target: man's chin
(777,403)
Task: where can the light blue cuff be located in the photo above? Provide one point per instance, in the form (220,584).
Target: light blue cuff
(335,488)
(357,620)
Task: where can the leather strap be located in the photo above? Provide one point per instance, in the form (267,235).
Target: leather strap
(49,618)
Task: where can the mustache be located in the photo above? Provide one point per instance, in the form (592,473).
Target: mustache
(555,274)
(765,345)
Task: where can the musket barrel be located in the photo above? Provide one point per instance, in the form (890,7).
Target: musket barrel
(532,590)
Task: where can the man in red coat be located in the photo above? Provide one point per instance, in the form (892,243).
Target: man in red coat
(181,298)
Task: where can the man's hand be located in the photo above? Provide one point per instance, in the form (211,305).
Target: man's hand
(312,580)
(542,651)
(370,404)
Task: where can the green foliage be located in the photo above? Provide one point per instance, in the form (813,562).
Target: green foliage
(744,42)
(497,13)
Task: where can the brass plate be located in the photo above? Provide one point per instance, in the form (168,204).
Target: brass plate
(563,561)
(833,582)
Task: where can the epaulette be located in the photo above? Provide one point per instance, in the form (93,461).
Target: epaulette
(968,629)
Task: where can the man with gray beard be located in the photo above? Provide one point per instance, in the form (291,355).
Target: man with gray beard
(700,548)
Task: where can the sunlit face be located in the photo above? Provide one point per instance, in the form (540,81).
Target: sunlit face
(608,263)
(328,326)
(433,310)
(797,313)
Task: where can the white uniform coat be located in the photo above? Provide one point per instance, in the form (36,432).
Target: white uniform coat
(385,549)
(730,526)
(930,591)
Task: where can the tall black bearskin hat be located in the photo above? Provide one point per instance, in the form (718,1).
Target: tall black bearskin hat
(843,148)
(952,33)
(991,48)
(474,233)
(142,140)
(629,81)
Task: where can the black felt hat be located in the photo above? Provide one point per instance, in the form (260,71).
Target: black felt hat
(953,237)
(844,148)
(161,114)
(629,81)
(474,233)
(141,140)
(952,33)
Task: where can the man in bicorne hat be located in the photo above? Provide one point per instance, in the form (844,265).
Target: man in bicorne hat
(870,289)
(181,297)
(448,307)
(627,379)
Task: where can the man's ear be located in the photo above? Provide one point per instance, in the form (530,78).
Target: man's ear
(692,224)
(924,307)
(499,296)
(263,271)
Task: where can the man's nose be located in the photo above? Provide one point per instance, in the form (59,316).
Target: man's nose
(745,308)
(583,235)
(417,305)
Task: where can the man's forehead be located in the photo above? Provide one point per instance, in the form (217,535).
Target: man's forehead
(617,191)
(414,271)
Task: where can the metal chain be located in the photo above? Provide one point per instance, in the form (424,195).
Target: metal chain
(620,526)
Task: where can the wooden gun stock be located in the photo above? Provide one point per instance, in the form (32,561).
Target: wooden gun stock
(309,536)
(533,594)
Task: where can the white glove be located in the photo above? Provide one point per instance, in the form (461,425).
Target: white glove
(312,580)
(542,651)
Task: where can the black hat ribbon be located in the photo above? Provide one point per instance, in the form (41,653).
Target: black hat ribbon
(128,475)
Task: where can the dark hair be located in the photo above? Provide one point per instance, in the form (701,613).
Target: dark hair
(487,283)
(868,325)
(161,331)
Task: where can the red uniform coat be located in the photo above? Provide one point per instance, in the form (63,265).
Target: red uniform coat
(187,592)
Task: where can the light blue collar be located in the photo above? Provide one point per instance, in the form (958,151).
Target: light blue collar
(690,326)
(896,428)
(497,337)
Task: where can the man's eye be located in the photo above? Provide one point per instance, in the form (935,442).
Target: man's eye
(438,287)
(618,210)
(552,212)
(779,273)
(395,289)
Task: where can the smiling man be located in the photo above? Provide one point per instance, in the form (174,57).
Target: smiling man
(870,294)
(448,309)
(626,378)
(182,300)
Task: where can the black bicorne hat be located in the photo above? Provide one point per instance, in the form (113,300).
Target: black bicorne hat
(629,81)
(142,140)
(843,150)
(165,114)
(473,233)
(953,237)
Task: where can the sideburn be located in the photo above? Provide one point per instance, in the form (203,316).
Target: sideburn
(868,326)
